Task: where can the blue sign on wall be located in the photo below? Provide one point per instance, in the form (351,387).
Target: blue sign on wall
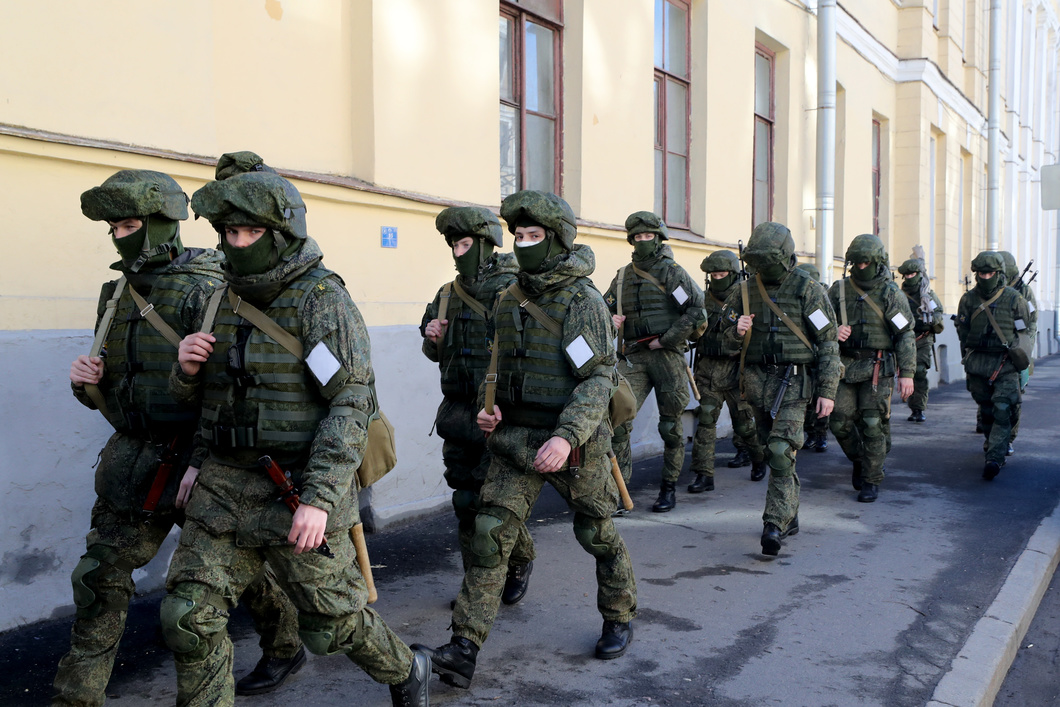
(389,237)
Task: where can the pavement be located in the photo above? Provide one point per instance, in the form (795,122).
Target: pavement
(923,598)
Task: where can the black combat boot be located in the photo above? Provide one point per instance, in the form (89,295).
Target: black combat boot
(855,476)
(614,639)
(270,673)
(822,442)
(742,458)
(869,492)
(516,583)
(811,441)
(701,484)
(772,535)
(758,470)
(992,469)
(413,692)
(916,416)
(667,497)
(454,662)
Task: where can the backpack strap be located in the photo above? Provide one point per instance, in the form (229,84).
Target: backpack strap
(211,309)
(843,302)
(649,277)
(261,320)
(147,311)
(469,300)
(783,317)
(91,389)
(443,300)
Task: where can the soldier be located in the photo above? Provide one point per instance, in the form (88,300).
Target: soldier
(783,367)
(1014,277)
(262,394)
(141,317)
(456,339)
(656,307)
(992,326)
(927,322)
(815,428)
(718,378)
(554,362)
(876,342)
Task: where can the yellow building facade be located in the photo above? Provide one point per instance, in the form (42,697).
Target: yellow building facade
(383,112)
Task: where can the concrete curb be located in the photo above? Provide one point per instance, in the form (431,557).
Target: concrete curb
(979,669)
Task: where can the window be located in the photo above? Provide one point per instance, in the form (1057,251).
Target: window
(764,128)
(530,97)
(876,177)
(672,72)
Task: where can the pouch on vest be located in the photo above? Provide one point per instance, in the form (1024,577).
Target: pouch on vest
(380,453)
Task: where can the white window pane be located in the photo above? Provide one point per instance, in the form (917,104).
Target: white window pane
(507,38)
(761,206)
(676,117)
(509,150)
(761,150)
(539,71)
(659,161)
(540,153)
(875,145)
(676,36)
(763,86)
(660,7)
(676,175)
(658,116)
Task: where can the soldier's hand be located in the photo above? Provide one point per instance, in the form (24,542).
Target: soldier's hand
(744,323)
(435,329)
(186,485)
(617,320)
(194,350)
(552,455)
(487,422)
(86,369)
(824,407)
(654,344)
(843,332)
(307,528)
(905,388)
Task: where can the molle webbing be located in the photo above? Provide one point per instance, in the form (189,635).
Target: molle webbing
(648,307)
(868,331)
(774,342)
(463,353)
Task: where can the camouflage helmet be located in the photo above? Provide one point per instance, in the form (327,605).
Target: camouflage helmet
(645,222)
(457,222)
(233,163)
(1012,270)
(770,243)
(135,193)
(811,269)
(251,199)
(721,261)
(989,261)
(913,265)
(867,248)
(544,209)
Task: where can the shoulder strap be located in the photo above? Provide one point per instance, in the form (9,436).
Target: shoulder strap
(491,378)
(783,317)
(985,306)
(621,277)
(211,309)
(536,312)
(649,277)
(469,300)
(868,300)
(259,319)
(443,300)
(92,390)
(147,311)
(744,295)
(843,302)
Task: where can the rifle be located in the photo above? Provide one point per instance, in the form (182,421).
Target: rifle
(1020,278)
(876,363)
(167,460)
(1032,278)
(289,494)
(784,383)
(1000,365)
(743,268)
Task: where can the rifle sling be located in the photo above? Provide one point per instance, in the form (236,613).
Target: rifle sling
(469,300)
(783,317)
(147,311)
(259,319)
(866,299)
(91,389)
(649,277)
(621,339)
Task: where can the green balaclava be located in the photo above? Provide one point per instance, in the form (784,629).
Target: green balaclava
(989,261)
(259,257)
(469,263)
(475,222)
(911,285)
(645,222)
(537,208)
(531,256)
(770,251)
(721,261)
(866,248)
(157,242)
(645,250)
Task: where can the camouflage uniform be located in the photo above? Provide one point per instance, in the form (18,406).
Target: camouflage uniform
(772,351)
(992,378)
(311,417)
(925,326)
(146,420)
(877,349)
(670,309)
(814,427)
(718,376)
(1013,277)
(463,359)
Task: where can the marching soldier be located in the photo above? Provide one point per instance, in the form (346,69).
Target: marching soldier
(927,323)
(1015,280)
(815,428)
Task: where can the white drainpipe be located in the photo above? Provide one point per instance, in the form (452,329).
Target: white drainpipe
(826,109)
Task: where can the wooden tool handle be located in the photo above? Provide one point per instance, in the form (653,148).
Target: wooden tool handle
(357,534)
(627,502)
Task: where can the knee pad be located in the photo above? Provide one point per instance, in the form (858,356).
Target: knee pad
(592,534)
(671,431)
(779,462)
(841,425)
(465,504)
(319,636)
(708,414)
(1002,411)
(85,578)
(872,424)
(486,543)
(181,631)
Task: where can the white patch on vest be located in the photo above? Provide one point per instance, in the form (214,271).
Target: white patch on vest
(322,363)
(579,352)
(1030,307)
(1020,326)
(679,295)
(899,321)
(819,319)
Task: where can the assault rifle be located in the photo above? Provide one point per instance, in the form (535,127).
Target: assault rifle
(743,268)
(1024,273)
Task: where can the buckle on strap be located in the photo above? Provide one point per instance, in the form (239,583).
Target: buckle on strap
(146,310)
(491,377)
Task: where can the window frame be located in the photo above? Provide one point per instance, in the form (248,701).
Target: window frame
(520,15)
(877,175)
(660,78)
(770,122)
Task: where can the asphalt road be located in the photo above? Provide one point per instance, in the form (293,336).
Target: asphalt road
(867,606)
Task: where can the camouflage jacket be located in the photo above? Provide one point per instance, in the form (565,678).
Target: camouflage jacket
(897,329)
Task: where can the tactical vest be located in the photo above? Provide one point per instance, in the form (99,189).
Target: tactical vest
(1025,292)
(648,310)
(139,359)
(771,341)
(257,395)
(868,330)
(710,344)
(981,335)
(464,355)
(534,379)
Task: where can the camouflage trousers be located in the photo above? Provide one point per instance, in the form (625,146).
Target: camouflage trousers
(209,572)
(103,595)
(664,371)
(998,406)
(813,424)
(861,423)
(782,436)
(710,402)
(511,489)
(466,461)
(919,399)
